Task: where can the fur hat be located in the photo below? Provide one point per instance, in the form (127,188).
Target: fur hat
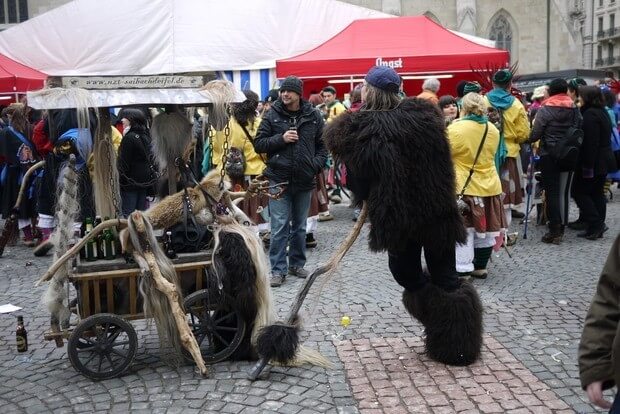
(471,87)
(502,77)
(292,84)
(384,78)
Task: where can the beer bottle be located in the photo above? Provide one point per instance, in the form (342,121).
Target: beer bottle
(109,245)
(169,247)
(82,234)
(21,335)
(91,249)
(99,238)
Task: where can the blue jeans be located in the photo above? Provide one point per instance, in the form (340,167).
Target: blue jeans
(288,227)
(615,408)
(133,200)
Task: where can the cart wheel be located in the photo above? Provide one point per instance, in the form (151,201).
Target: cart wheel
(218,329)
(102,346)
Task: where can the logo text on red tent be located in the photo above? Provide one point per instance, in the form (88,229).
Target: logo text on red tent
(394,64)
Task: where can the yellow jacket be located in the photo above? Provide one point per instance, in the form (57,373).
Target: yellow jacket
(335,110)
(254,165)
(117,137)
(464,137)
(516,127)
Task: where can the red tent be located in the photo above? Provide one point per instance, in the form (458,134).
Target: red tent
(16,78)
(414,46)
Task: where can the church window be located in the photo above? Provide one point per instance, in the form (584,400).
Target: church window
(501,32)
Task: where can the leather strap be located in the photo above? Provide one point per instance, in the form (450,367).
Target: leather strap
(471,170)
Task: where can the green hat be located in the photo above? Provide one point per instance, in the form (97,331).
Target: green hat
(471,87)
(502,77)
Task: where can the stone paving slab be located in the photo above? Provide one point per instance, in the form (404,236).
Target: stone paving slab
(393,375)
(535,302)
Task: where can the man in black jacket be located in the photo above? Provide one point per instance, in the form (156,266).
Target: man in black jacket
(290,134)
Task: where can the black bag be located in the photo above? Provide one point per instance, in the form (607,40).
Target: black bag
(565,152)
(189,236)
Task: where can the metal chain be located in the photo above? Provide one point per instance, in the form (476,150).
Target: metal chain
(225,150)
(115,201)
(211,135)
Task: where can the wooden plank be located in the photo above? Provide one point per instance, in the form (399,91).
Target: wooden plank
(97,295)
(85,299)
(121,264)
(110,295)
(132,272)
(132,295)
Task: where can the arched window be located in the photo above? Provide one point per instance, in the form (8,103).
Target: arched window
(501,32)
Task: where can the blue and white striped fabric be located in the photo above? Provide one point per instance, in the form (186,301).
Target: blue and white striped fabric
(259,81)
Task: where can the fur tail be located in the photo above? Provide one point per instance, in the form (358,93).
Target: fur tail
(452,322)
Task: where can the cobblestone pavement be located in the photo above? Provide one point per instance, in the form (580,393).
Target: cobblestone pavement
(535,303)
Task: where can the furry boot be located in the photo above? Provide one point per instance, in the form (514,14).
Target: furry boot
(452,322)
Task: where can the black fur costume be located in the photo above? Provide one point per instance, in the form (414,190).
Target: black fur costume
(401,159)
(403,168)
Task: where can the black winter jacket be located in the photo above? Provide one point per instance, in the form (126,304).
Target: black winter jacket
(135,161)
(551,124)
(299,162)
(596,153)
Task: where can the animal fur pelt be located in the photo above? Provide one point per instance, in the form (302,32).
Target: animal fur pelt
(169,210)
(403,164)
(221,93)
(241,268)
(105,178)
(68,211)
(452,322)
(156,303)
(171,133)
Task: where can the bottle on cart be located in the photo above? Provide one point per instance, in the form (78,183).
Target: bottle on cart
(168,247)
(109,245)
(99,238)
(21,335)
(91,245)
(82,234)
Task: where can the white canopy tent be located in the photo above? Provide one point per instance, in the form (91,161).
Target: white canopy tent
(149,37)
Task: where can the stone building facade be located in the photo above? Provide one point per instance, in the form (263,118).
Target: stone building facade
(541,35)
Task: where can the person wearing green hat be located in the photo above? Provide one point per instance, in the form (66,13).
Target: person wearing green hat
(514,128)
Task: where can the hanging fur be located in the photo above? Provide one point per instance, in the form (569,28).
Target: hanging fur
(67,213)
(171,133)
(156,303)
(221,93)
(105,178)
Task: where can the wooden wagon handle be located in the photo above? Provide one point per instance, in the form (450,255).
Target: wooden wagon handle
(76,249)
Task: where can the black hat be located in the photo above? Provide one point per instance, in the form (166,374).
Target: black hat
(329,89)
(292,84)
(272,95)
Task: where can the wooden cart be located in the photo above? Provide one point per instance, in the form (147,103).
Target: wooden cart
(103,343)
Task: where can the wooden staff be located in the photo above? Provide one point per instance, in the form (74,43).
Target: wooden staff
(329,267)
(148,265)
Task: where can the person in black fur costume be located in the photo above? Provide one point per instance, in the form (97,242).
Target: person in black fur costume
(399,152)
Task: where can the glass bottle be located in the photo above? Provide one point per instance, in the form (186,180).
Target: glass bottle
(21,335)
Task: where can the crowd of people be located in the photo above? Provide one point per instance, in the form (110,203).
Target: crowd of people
(448,180)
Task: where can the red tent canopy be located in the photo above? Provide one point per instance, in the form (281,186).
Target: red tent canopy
(411,45)
(17,78)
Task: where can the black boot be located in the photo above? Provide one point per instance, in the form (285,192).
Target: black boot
(452,322)
(554,235)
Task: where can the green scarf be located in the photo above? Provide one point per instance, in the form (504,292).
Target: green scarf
(481,119)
